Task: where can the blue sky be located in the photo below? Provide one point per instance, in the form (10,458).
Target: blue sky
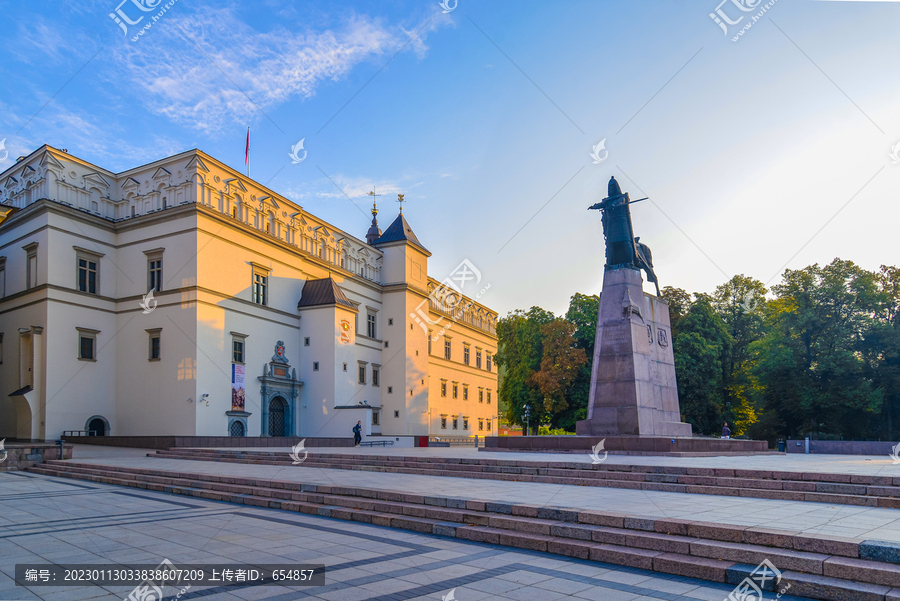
(767,152)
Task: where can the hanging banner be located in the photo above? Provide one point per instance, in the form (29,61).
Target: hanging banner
(237,387)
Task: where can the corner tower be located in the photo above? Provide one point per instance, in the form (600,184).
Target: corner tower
(405,353)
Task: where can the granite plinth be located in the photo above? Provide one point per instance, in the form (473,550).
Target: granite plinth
(633,386)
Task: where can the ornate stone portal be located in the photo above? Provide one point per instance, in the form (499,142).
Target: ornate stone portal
(633,387)
(279,393)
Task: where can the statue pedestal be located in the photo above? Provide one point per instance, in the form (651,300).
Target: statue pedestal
(633,388)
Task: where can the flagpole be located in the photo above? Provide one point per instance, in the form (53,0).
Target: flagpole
(248,151)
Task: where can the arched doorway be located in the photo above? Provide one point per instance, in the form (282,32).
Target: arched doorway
(277,410)
(97,427)
(236,428)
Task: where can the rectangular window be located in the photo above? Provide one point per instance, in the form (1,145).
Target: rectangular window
(489,425)
(480,425)
(87,344)
(446,349)
(480,395)
(374,377)
(455,423)
(455,388)
(429,342)
(396,413)
(390,390)
(465,392)
(487,357)
(87,276)
(488,397)
(478,359)
(2,277)
(306,341)
(374,418)
(466,354)
(238,347)
(315,366)
(465,423)
(370,325)
(345,367)
(391,321)
(31,265)
(443,388)
(362,374)
(260,288)
(154,347)
(443,422)
(155,274)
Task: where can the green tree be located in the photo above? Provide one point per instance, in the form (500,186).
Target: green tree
(519,355)
(679,302)
(740,302)
(582,313)
(811,363)
(703,346)
(881,348)
(561,363)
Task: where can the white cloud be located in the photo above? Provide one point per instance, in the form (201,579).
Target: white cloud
(176,80)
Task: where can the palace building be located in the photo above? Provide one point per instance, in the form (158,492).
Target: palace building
(184,298)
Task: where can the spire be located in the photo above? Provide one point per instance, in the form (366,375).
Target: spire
(374,232)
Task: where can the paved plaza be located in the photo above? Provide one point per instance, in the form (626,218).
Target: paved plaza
(47,519)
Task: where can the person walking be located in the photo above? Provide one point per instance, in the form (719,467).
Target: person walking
(726,432)
(357,434)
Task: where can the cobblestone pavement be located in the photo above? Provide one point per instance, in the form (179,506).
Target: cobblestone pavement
(816,518)
(53,520)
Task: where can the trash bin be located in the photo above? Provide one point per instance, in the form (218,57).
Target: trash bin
(781,446)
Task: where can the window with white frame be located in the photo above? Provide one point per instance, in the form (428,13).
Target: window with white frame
(238,347)
(31,265)
(154,269)
(370,325)
(88,270)
(154,343)
(362,372)
(87,344)
(260,284)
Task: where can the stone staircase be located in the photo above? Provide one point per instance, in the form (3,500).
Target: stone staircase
(843,489)
(814,566)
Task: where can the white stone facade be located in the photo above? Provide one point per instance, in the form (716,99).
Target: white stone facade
(228,260)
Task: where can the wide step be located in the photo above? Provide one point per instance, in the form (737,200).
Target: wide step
(831,566)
